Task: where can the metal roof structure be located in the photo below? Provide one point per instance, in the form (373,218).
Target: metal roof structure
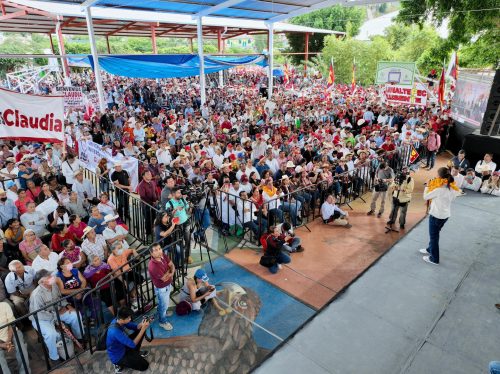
(40,17)
(270,11)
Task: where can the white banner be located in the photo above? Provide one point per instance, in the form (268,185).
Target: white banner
(397,94)
(31,117)
(91,153)
(73,97)
(93,100)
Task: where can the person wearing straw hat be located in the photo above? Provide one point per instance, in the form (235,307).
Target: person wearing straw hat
(114,232)
(94,244)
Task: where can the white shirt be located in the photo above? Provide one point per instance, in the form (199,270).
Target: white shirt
(69,169)
(474,186)
(50,264)
(327,210)
(480,165)
(495,191)
(164,156)
(441,201)
(119,230)
(84,187)
(249,214)
(459,180)
(273,165)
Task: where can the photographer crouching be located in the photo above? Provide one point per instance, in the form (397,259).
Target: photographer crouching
(124,350)
(402,189)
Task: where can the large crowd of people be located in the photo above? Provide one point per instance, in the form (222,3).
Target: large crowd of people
(270,165)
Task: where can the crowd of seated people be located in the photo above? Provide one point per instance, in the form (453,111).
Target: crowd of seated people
(484,178)
(268,167)
(48,250)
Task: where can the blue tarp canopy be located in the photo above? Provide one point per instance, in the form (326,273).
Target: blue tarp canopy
(170,66)
(278,73)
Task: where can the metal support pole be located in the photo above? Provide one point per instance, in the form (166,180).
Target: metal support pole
(307,47)
(219,49)
(153,40)
(93,49)
(60,43)
(271,61)
(52,44)
(107,45)
(201,57)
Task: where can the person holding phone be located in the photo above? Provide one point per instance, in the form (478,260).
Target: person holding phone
(124,350)
(197,291)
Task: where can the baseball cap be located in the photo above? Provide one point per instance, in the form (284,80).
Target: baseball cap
(201,274)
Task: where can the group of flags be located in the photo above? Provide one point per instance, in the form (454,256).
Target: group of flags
(451,72)
(331,76)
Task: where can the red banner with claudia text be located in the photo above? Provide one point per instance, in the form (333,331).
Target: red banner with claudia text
(31,117)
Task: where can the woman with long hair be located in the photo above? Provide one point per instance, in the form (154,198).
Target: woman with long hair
(441,191)
(102,172)
(492,185)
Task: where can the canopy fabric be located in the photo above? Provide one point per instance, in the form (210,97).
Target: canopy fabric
(278,73)
(170,66)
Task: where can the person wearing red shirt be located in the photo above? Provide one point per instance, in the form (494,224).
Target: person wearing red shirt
(161,271)
(61,233)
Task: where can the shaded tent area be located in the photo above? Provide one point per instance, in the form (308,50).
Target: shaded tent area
(166,66)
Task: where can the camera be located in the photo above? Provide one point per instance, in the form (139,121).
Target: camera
(401,177)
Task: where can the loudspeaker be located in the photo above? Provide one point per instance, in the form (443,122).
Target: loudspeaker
(263,91)
(491,118)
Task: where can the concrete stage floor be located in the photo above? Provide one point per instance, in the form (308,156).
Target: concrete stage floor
(406,316)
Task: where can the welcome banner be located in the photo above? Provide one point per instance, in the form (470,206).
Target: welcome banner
(91,153)
(31,117)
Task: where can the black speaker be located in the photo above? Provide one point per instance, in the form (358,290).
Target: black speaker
(491,118)
(263,91)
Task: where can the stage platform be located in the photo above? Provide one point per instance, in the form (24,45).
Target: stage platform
(406,316)
(335,256)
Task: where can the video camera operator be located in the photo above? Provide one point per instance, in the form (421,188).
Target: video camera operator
(383,177)
(179,207)
(402,189)
(201,209)
(124,350)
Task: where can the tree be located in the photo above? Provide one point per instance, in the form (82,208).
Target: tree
(473,25)
(365,54)
(336,18)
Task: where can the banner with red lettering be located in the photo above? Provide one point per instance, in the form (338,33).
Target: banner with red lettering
(31,117)
(398,94)
(73,97)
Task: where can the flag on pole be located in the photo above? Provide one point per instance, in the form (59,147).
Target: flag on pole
(286,74)
(331,76)
(441,88)
(453,66)
(413,155)
(353,81)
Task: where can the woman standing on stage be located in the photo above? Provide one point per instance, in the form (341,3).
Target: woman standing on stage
(442,190)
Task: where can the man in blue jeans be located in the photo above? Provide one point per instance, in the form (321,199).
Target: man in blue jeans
(161,271)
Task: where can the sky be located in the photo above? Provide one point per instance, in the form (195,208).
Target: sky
(376,26)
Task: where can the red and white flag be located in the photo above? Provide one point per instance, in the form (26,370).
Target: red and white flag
(31,117)
(452,70)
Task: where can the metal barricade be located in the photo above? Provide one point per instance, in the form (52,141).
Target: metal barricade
(64,336)
(135,281)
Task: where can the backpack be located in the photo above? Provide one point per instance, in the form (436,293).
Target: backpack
(183,308)
(102,337)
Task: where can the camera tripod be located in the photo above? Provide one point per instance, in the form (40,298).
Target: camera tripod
(200,237)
